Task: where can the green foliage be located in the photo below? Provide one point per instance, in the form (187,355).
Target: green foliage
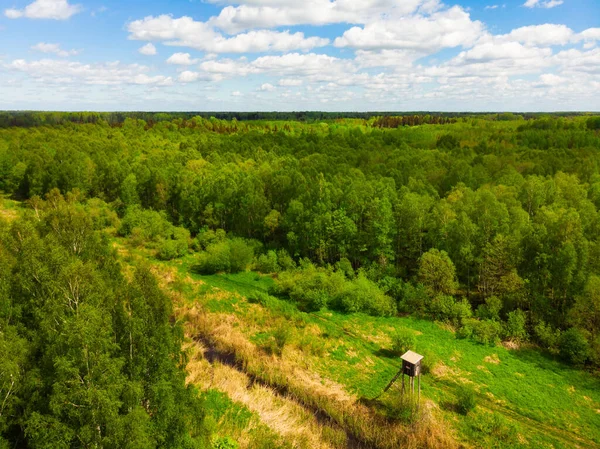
(515,326)
(225,256)
(87,358)
(267,263)
(475,206)
(446,308)
(548,337)
(574,347)
(491,309)
(403,340)
(487,332)
(465,399)
(224,443)
(316,288)
(437,273)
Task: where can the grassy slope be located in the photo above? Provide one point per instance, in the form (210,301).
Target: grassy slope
(536,401)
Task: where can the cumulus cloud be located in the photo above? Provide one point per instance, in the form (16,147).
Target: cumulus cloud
(181,59)
(147,50)
(45,9)
(428,34)
(546,34)
(542,3)
(187,32)
(54,49)
(253,14)
(66,72)
(267,87)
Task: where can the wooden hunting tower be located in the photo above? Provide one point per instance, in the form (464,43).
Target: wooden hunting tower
(411,364)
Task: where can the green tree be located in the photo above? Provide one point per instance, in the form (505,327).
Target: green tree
(437,273)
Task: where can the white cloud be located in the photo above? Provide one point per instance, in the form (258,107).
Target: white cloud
(428,34)
(546,34)
(186,32)
(253,14)
(66,72)
(542,3)
(54,49)
(290,82)
(237,93)
(45,9)
(491,7)
(267,87)
(181,59)
(550,79)
(148,50)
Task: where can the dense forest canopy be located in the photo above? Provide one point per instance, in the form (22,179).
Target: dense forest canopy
(489,222)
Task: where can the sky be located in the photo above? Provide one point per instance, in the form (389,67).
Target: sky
(286,55)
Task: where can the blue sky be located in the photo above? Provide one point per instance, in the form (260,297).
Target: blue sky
(346,55)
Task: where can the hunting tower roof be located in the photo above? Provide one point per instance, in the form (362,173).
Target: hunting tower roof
(412,357)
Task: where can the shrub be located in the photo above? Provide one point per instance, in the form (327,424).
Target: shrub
(284,260)
(147,224)
(403,340)
(465,399)
(486,332)
(547,337)
(229,256)
(315,288)
(281,336)
(414,298)
(363,295)
(446,308)
(214,260)
(176,247)
(491,309)
(574,347)
(343,265)
(224,443)
(267,263)
(515,326)
(241,255)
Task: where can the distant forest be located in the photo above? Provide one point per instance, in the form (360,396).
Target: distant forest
(33,118)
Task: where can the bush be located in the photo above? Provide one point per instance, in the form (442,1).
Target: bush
(149,225)
(515,326)
(214,260)
(446,308)
(403,340)
(414,299)
(281,336)
(176,247)
(315,288)
(284,260)
(224,443)
(363,295)
(465,399)
(491,309)
(241,255)
(547,337)
(228,256)
(267,263)
(486,332)
(574,347)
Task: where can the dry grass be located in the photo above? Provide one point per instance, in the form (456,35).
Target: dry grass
(314,392)
(493,359)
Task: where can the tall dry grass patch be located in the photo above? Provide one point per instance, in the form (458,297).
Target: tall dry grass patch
(314,392)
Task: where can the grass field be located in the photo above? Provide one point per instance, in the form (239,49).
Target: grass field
(525,398)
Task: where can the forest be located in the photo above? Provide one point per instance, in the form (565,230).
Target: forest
(489,223)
